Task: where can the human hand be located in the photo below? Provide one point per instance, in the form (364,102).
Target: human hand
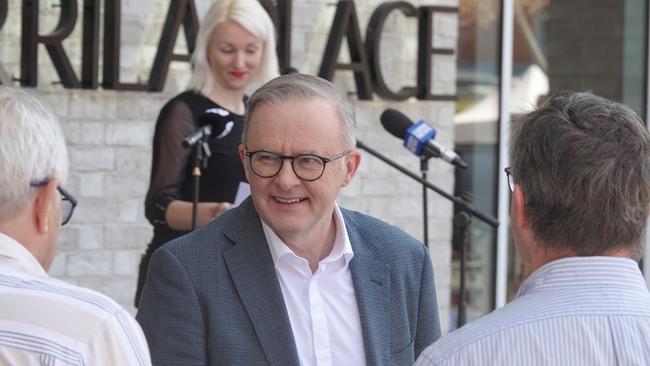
(220,207)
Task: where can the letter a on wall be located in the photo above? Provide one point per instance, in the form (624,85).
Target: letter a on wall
(346,23)
(179,11)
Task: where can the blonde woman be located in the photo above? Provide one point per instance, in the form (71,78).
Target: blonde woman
(235,52)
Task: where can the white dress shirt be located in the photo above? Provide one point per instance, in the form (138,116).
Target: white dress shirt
(44,321)
(322,306)
(573,311)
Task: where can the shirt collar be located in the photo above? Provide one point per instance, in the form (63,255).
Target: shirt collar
(341,248)
(22,258)
(578,272)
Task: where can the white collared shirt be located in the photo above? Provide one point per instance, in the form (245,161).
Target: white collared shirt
(572,311)
(44,321)
(322,306)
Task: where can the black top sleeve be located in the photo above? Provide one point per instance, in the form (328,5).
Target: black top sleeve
(175,122)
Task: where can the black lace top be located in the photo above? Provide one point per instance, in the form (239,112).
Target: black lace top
(171,168)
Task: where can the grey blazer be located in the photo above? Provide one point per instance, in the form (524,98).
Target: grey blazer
(212,297)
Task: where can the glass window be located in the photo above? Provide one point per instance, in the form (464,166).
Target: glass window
(476,140)
(565,45)
(557,45)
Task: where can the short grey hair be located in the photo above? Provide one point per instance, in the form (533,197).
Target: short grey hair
(583,164)
(32,148)
(302,87)
(251,16)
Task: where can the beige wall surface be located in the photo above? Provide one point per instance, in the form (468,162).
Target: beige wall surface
(109,135)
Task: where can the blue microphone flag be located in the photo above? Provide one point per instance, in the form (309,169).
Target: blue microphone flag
(417,136)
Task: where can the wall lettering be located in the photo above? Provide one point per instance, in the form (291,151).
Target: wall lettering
(364,56)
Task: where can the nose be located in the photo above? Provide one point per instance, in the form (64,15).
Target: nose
(240,60)
(286,178)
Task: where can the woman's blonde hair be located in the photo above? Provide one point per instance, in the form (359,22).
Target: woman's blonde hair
(249,14)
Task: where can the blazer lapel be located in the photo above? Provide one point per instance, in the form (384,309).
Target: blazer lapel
(371,278)
(251,267)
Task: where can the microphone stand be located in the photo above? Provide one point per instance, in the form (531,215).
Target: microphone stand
(200,161)
(462,223)
(459,201)
(424,169)
(462,219)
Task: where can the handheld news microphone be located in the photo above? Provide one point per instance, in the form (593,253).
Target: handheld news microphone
(418,137)
(201,134)
(212,126)
(290,70)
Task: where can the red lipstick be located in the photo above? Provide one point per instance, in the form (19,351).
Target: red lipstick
(238,74)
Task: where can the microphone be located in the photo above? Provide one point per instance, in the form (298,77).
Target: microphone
(201,134)
(212,126)
(290,70)
(418,137)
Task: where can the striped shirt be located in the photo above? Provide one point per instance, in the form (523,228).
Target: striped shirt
(572,311)
(44,321)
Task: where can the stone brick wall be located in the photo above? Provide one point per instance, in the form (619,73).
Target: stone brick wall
(109,137)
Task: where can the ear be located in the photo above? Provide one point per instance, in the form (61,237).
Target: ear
(244,160)
(242,154)
(43,206)
(518,209)
(352,161)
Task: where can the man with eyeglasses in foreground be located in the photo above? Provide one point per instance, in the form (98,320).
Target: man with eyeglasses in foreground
(288,277)
(44,321)
(580,182)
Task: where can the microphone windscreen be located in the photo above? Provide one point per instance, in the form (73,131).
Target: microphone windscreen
(395,122)
(217,122)
(290,70)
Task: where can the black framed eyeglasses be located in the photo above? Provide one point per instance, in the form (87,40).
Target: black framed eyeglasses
(307,167)
(511,180)
(68,202)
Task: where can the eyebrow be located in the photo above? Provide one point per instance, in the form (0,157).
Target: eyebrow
(310,152)
(256,43)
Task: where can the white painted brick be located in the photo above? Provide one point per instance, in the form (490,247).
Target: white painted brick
(130,211)
(92,133)
(178,79)
(120,185)
(90,237)
(95,211)
(132,8)
(140,106)
(91,159)
(127,262)
(412,227)
(378,187)
(119,288)
(378,207)
(90,263)
(57,269)
(59,102)
(128,236)
(89,185)
(122,290)
(129,159)
(313,15)
(75,236)
(91,105)
(68,238)
(440,230)
(353,189)
(71,131)
(408,206)
(444,30)
(129,134)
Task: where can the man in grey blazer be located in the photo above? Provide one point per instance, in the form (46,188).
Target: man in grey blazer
(289,277)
